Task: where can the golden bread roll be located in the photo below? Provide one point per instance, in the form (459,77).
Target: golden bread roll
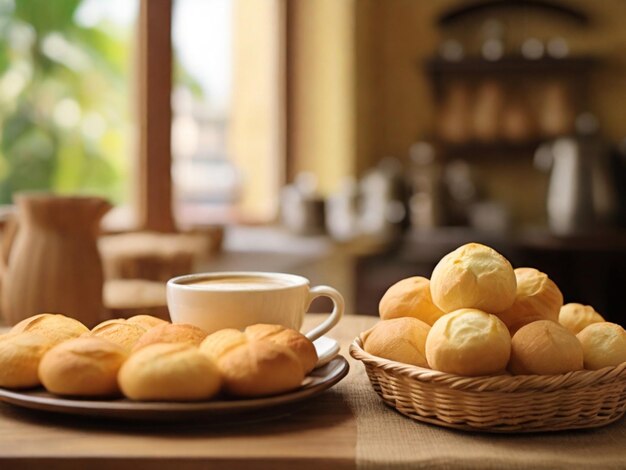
(300,344)
(604,345)
(545,348)
(119,332)
(398,339)
(219,343)
(259,368)
(409,298)
(55,327)
(537,298)
(20,354)
(147,321)
(169,371)
(108,322)
(171,333)
(473,276)
(468,342)
(575,317)
(85,366)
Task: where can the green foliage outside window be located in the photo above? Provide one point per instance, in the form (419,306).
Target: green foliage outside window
(64,102)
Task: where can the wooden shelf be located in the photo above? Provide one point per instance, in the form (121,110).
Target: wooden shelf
(510,65)
(465,11)
(490,150)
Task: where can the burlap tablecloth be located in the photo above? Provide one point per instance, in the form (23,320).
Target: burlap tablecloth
(387,439)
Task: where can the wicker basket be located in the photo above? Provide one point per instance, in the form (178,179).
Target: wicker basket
(524,403)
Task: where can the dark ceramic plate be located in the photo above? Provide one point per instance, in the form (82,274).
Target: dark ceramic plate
(315,383)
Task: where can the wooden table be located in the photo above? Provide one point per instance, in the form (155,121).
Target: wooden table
(345,427)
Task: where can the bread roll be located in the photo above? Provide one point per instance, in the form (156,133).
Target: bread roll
(468,342)
(545,348)
(473,276)
(174,371)
(409,298)
(119,332)
(575,317)
(537,298)
(259,368)
(147,321)
(296,341)
(219,343)
(56,327)
(109,322)
(84,367)
(20,354)
(171,333)
(398,339)
(604,345)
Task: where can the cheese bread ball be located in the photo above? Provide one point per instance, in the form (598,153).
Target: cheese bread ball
(575,317)
(545,348)
(398,339)
(473,276)
(537,298)
(409,298)
(604,345)
(468,342)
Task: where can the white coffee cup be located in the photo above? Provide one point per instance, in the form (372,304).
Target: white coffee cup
(213,301)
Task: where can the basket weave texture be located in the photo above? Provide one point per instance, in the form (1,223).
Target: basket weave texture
(524,403)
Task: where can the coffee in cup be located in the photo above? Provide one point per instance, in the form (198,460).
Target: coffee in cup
(214,301)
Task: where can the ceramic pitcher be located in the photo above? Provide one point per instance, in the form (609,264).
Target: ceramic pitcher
(51,261)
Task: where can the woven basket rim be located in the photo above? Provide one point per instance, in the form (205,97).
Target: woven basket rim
(498,383)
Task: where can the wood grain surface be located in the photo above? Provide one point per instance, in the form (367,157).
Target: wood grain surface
(318,433)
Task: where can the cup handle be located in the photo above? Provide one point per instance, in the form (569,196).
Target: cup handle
(335,315)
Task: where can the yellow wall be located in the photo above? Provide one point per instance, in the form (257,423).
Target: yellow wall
(323,89)
(257,125)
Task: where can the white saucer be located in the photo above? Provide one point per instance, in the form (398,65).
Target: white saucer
(327,348)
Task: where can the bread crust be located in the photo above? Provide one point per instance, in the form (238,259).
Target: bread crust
(537,298)
(576,317)
(545,348)
(20,355)
(473,276)
(85,366)
(410,297)
(468,342)
(260,368)
(604,345)
(56,327)
(296,341)
(169,371)
(171,333)
(398,339)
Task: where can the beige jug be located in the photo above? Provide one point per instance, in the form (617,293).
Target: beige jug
(51,261)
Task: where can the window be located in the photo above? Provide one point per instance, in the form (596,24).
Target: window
(88,106)
(65,122)
(206,180)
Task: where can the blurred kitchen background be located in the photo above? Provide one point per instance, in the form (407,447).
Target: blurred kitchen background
(354,142)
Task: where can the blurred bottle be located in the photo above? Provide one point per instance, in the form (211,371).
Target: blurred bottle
(342,210)
(487,111)
(517,124)
(302,208)
(426,174)
(462,191)
(557,115)
(454,118)
(382,212)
